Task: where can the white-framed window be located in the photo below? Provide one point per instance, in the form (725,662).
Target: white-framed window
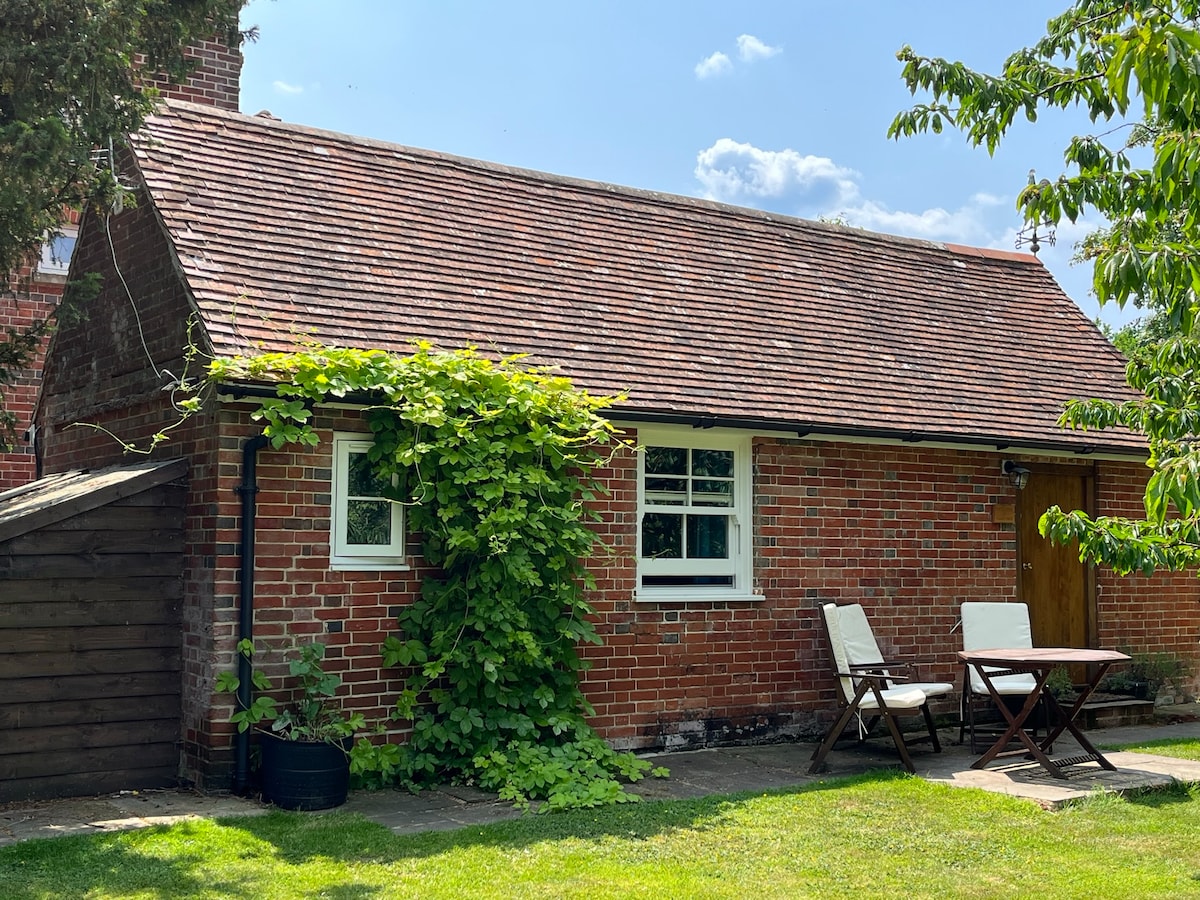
(366,528)
(56,252)
(694,515)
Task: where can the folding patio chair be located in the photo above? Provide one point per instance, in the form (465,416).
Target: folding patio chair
(987,626)
(868,684)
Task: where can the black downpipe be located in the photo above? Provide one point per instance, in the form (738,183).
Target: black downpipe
(249,492)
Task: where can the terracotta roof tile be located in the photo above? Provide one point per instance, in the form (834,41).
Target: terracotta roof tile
(695,308)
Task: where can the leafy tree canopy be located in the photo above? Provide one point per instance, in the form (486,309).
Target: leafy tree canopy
(1134,65)
(67,88)
(1142,337)
(68,94)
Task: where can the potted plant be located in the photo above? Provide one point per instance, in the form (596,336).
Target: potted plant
(1151,671)
(305,762)
(1146,675)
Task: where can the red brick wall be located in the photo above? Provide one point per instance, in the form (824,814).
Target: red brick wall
(908,532)
(30,298)
(1139,613)
(297,597)
(214,81)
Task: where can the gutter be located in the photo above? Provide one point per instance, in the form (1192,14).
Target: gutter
(248,490)
(897,435)
(783,426)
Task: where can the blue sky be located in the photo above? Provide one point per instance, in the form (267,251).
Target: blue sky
(782,106)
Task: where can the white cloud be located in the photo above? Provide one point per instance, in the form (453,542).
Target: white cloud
(751,48)
(789,182)
(968,224)
(717,64)
(733,172)
(282,87)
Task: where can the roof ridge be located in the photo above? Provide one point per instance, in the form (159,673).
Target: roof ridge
(994,253)
(595,186)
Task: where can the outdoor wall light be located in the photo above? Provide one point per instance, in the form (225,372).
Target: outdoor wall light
(1018,475)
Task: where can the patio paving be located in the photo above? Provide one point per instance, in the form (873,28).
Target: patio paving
(695,773)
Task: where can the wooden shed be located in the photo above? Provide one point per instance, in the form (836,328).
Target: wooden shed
(91,592)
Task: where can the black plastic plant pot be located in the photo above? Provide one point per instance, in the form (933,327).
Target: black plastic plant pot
(304,775)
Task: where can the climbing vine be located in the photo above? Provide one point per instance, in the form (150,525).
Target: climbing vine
(494,464)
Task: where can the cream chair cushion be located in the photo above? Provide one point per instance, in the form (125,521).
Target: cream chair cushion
(994,626)
(854,645)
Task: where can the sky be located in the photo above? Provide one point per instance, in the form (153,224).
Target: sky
(781,106)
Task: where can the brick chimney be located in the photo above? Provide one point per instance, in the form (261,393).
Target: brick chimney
(215,81)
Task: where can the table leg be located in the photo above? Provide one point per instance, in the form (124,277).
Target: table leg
(1016,725)
(1066,720)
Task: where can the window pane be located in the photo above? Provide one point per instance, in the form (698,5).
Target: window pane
(662,536)
(708,537)
(369,522)
(361,481)
(712,463)
(56,253)
(712,493)
(666,461)
(666,491)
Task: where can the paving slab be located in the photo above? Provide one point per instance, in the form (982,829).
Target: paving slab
(116,812)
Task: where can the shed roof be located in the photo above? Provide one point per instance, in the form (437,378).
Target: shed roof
(699,310)
(57,497)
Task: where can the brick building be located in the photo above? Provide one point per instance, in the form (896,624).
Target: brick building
(825,413)
(36,289)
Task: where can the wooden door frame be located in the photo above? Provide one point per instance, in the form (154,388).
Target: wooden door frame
(1091,502)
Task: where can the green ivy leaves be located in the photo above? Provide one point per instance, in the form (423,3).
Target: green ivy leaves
(493,462)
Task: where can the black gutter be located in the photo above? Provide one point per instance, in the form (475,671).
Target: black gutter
(908,436)
(777,426)
(248,490)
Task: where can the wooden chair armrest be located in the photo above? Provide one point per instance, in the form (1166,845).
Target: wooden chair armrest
(993,672)
(874,673)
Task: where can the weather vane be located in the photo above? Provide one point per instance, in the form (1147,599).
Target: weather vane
(1029,233)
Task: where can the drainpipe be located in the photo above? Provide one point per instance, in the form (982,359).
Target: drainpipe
(248,491)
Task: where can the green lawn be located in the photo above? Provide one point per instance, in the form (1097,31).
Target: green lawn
(1180,748)
(874,836)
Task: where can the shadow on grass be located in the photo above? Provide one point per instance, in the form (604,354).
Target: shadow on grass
(109,864)
(239,857)
(235,857)
(1157,798)
(634,821)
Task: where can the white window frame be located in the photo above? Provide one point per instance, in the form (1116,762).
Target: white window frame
(49,264)
(342,554)
(740,564)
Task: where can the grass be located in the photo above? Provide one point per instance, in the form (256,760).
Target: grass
(1179,748)
(874,836)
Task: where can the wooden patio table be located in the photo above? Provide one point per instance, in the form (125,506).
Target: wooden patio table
(1041,661)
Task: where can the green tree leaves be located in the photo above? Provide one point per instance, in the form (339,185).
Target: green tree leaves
(68,99)
(1114,58)
(68,89)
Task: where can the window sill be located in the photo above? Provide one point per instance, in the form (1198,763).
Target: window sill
(368,565)
(692,597)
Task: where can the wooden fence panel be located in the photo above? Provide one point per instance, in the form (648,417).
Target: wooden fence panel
(90,621)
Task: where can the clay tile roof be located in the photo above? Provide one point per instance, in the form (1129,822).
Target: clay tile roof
(697,309)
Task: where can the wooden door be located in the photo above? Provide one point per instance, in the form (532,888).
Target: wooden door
(1056,586)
